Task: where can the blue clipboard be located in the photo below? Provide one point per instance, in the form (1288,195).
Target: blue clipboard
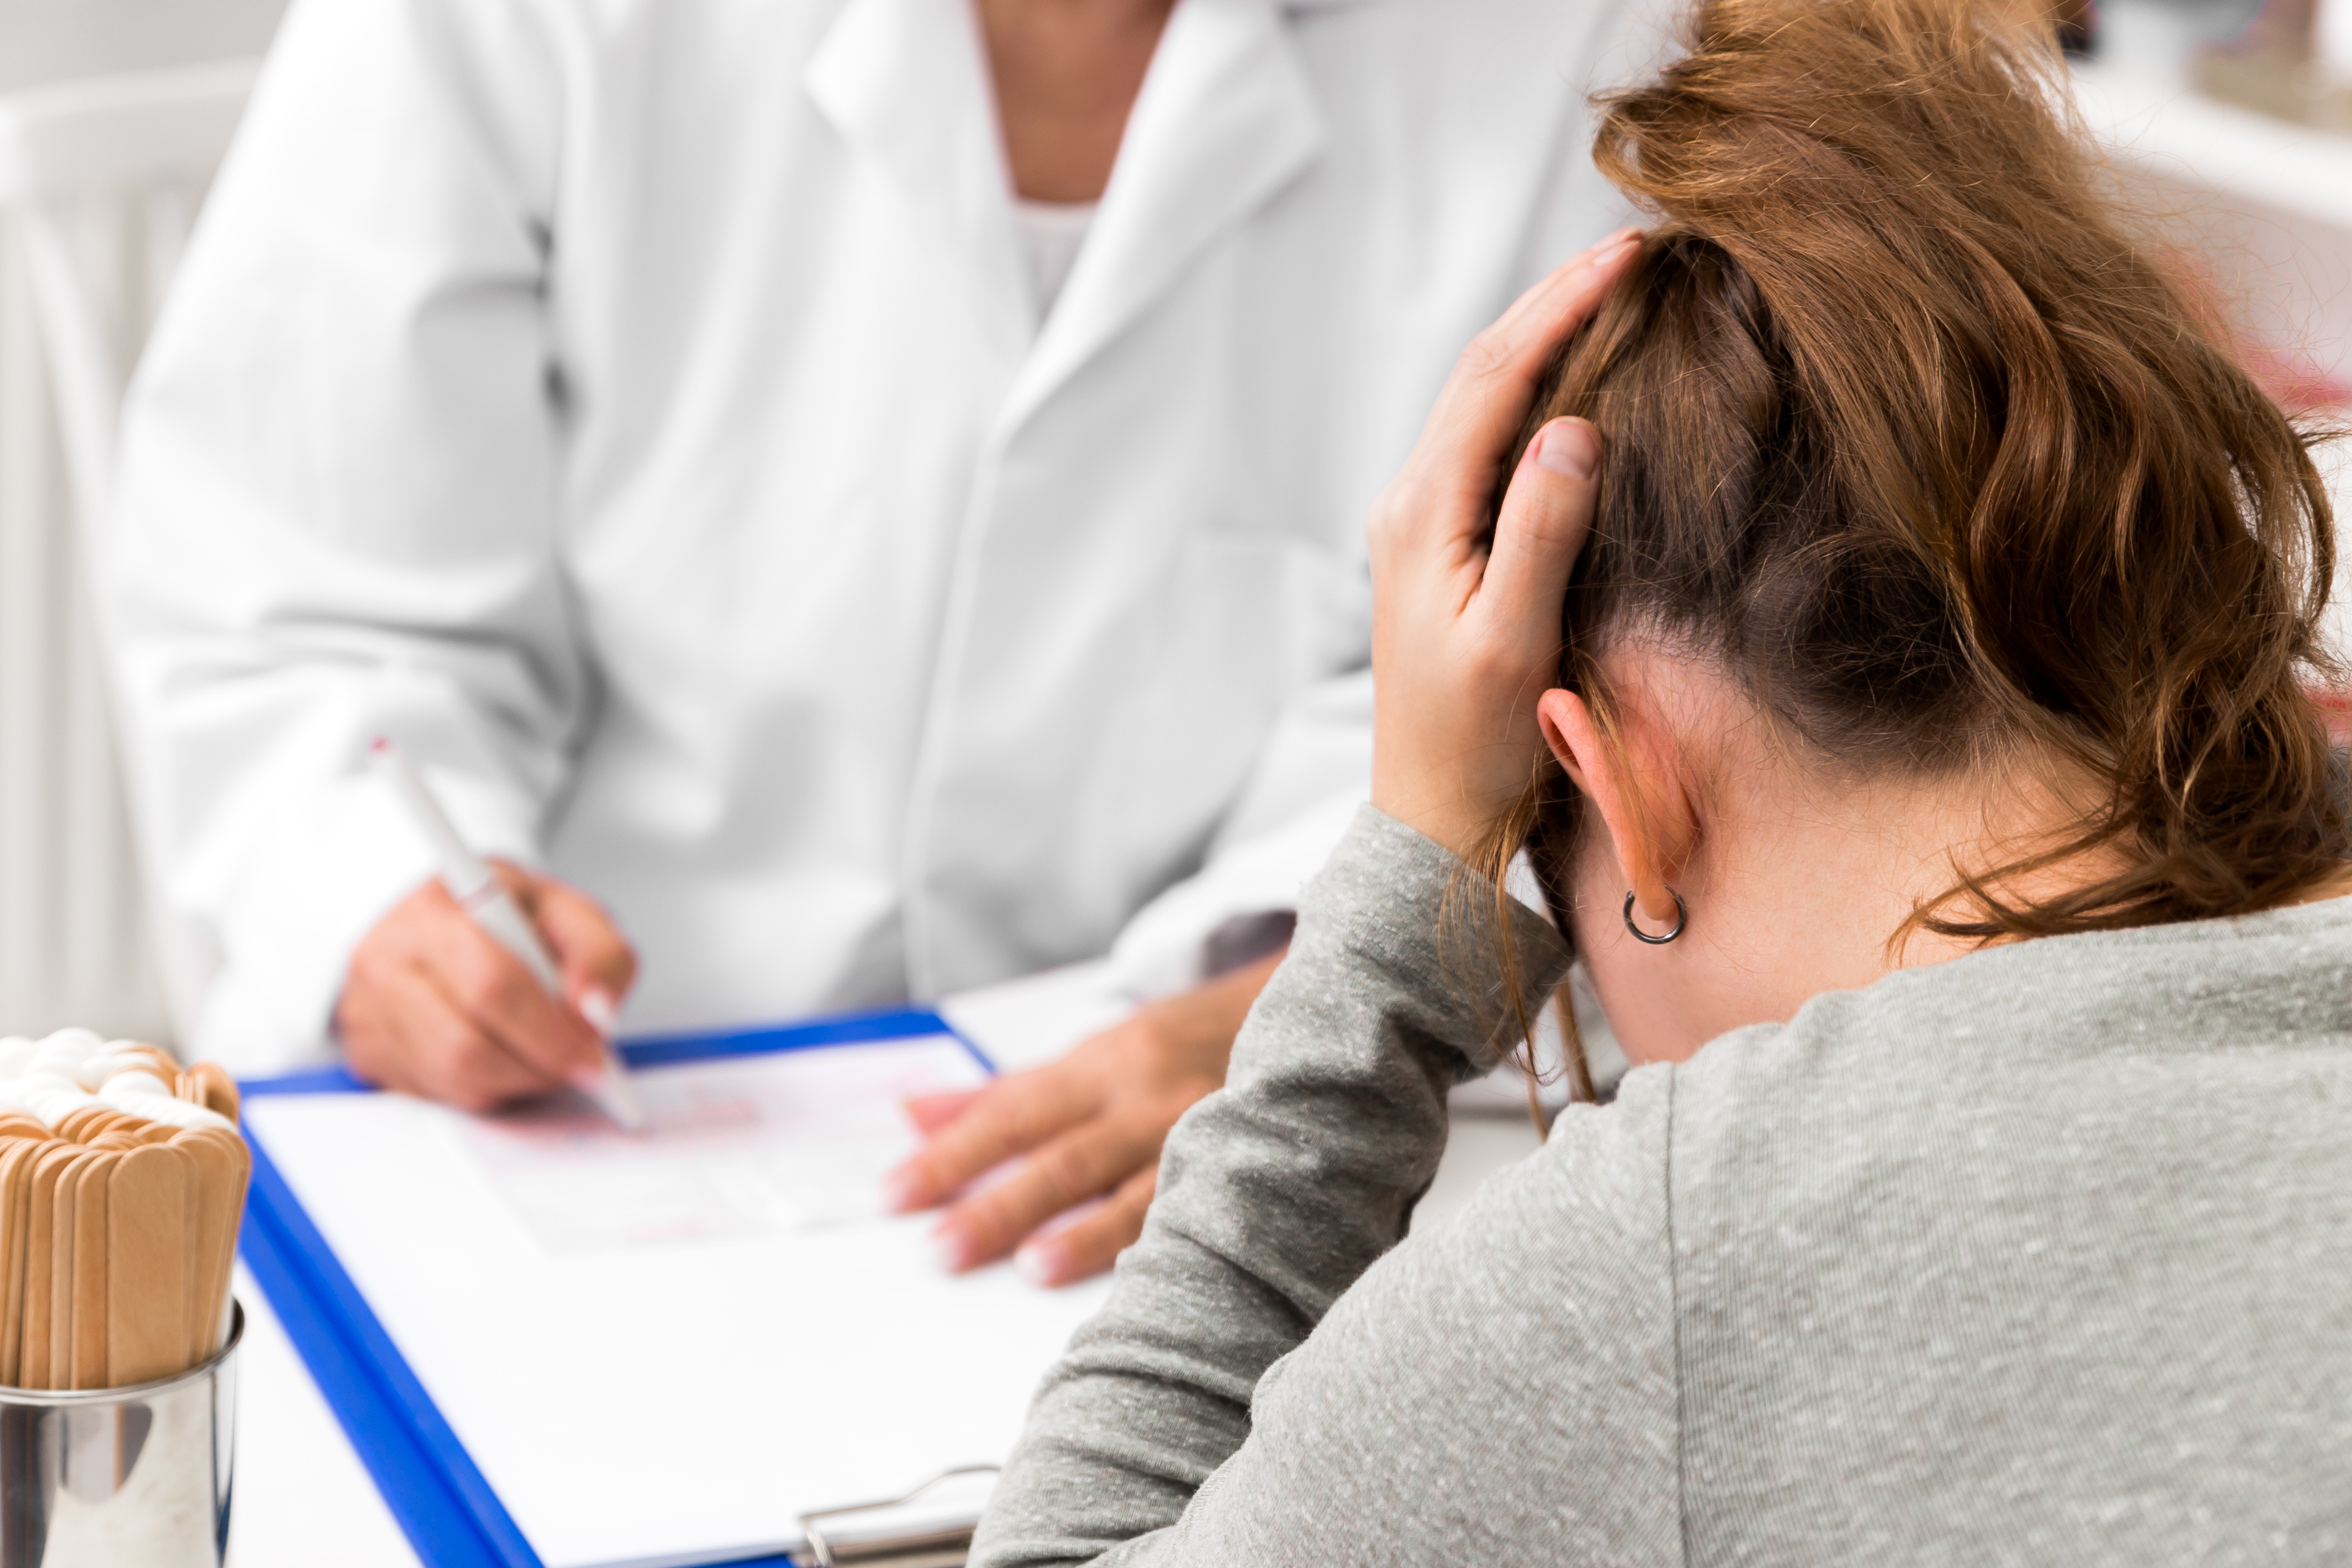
(451,1516)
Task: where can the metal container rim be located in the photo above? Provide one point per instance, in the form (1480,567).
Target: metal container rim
(49,1398)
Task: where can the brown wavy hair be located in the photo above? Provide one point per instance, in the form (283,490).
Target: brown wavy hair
(1906,431)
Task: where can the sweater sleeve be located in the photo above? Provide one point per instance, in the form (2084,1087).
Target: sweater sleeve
(1276,1193)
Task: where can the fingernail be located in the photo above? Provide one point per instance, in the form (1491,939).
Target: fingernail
(901,1191)
(1568,447)
(1615,246)
(952,1250)
(596,1005)
(1040,1263)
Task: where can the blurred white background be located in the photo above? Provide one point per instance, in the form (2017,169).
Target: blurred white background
(43,41)
(76,942)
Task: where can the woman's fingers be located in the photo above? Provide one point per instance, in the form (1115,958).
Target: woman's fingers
(400,1029)
(1451,472)
(589,949)
(1598,256)
(1081,1164)
(1009,1117)
(497,994)
(930,1112)
(432,1003)
(451,1059)
(1465,622)
(1091,1243)
(1546,515)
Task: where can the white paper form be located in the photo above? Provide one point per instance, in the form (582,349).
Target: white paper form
(733,1146)
(643,1393)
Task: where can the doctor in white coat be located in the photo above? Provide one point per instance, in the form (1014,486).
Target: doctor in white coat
(863,497)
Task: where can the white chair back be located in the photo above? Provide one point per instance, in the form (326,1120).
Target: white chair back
(99,183)
(83,163)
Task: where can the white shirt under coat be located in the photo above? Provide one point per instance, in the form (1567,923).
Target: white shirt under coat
(643,411)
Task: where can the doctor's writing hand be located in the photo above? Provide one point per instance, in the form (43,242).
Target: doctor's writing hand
(433,1005)
(1086,1127)
(1466,628)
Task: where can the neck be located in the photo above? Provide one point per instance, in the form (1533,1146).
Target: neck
(1797,879)
(1066,74)
(1798,882)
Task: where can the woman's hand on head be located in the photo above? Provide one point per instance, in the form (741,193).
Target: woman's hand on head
(1466,628)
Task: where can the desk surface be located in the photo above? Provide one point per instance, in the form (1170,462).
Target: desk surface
(303,1498)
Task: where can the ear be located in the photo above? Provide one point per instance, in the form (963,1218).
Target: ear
(1635,786)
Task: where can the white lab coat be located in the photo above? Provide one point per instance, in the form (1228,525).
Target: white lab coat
(640,409)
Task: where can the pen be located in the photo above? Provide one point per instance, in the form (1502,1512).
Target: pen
(487,901)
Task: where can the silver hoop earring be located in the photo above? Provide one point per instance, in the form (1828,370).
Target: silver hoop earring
(1682,919)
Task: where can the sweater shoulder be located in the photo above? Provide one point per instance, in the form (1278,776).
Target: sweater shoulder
(1524,1348)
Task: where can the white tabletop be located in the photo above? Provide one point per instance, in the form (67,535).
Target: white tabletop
(302,1497)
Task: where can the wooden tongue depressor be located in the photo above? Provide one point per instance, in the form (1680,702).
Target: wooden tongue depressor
(16,1158)
(65,1231)
(93,1255)
(150,1244)
(81,1126)
(73,1125)
(118,1236)
(215,1090)
(165,1067)
(221,1164)
(40,1259)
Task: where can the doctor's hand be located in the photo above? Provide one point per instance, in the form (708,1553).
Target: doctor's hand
(433,1005)
(1086,1127)
(1465,622)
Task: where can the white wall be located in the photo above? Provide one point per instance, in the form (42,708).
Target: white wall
(2269,207)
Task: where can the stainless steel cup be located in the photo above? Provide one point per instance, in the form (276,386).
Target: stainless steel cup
(108,1478)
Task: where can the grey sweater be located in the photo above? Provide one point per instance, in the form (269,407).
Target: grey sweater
(2040,1256)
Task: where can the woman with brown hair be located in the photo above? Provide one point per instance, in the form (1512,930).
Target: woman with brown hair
(1889,650)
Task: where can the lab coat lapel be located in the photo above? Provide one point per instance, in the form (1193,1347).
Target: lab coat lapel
(906,83)
(1226,120)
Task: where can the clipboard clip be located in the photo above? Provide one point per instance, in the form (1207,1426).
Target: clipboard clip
(931,1540)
